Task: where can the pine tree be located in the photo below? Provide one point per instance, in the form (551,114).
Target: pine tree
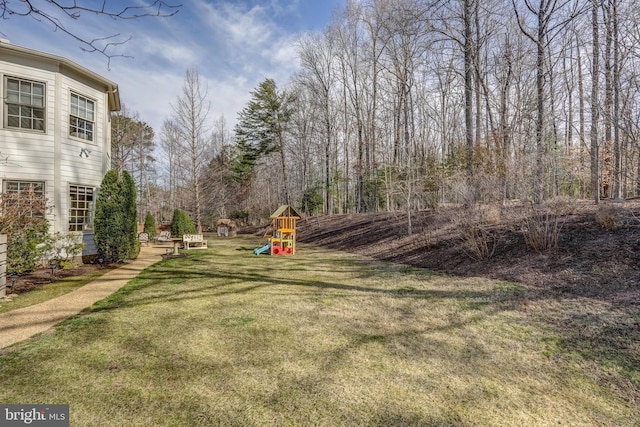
(260,130)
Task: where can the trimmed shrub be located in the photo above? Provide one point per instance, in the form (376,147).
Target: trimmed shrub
(181,223)
(150,225)
(135,250)
(115,218)
(131,214)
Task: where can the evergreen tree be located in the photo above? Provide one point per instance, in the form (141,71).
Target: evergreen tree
(115,218)
(182,223)
(131,215)
(260,130)
(150,225)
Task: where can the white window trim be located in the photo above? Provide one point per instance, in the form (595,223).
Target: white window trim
(41,193)
(6,103)
(76,134)
(89,209)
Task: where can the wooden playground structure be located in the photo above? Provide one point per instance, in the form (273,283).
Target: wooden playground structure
(283,229)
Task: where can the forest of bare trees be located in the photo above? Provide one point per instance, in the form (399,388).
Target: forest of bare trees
(408,104)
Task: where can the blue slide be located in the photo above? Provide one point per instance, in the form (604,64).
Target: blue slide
(262,249)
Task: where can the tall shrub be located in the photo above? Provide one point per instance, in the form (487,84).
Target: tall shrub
(181,223)
(115,218)
(131,215)
(150,225)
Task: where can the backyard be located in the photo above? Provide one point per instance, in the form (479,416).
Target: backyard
(224,337)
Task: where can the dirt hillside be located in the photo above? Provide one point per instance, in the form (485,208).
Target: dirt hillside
(597,254)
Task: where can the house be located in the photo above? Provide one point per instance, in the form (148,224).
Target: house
(55,136)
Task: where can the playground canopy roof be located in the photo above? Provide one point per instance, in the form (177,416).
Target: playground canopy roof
(285,210)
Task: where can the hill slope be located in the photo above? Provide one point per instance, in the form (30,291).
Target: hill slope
(589,261)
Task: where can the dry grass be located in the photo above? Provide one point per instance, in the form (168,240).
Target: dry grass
(323,338)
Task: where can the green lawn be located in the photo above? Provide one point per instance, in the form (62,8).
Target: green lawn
(50,291)
(224,337)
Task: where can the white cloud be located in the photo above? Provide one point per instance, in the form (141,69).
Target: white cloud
(234,45)
(236,25)
(150,93)
(286,55)
(171,51)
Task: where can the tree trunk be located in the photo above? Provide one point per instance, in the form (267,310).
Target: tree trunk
(595,78)
(538,179)
(617,167)
(468,93)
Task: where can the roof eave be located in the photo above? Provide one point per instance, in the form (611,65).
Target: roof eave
(110,87)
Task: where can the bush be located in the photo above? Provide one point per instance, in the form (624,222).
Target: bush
(474,226)
(541,226)
(608,217)
(150,225)
(115,218)
(23,222)
(62,248)
(135,250)
(181,223)
(25,246)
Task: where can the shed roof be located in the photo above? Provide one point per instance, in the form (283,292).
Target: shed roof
(285,210)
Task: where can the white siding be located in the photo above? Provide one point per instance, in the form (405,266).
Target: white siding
(54,156)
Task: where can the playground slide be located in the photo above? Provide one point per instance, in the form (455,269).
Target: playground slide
(262,249)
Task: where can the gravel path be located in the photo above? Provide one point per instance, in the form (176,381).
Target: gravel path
(20,324)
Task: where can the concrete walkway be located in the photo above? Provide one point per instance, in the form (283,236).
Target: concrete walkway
(20,324)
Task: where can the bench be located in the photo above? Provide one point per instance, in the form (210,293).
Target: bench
(164,236)
(143,238)
(194,241)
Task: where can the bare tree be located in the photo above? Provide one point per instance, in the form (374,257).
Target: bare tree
(131,150)
(63,15)
(394,95)
(595,106)
(217,182)
(546,27)
(191,118)
(143,167)
(318,76)
(123,124)
(306,169)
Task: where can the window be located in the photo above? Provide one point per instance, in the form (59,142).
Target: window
(81,208)
(82,117)
(25,104)
(24,197)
